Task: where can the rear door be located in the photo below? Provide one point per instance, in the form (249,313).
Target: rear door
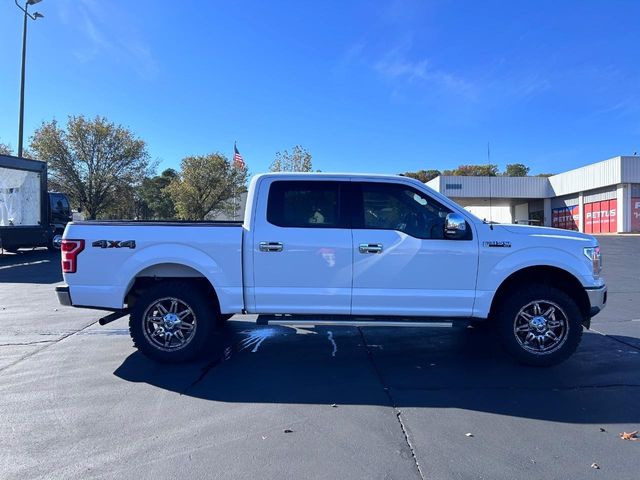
(403,265)
(302,258)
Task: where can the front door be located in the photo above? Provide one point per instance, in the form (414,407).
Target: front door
(403,265)
(302,248)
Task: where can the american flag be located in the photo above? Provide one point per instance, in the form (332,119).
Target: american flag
(238,161)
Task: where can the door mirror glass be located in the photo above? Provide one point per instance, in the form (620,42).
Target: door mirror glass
(455,227)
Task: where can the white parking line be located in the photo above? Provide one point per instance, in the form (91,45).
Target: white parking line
(23,264)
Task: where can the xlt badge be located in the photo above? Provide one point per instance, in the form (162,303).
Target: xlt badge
(497,243)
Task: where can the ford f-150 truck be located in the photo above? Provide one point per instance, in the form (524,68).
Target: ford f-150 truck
(337,248)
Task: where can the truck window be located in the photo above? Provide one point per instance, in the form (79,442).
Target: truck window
(388,206)
(304,204)
(65,205)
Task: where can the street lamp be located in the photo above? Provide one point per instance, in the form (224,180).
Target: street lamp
(35,16)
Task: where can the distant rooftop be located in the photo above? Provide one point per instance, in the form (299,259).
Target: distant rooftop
(614,171)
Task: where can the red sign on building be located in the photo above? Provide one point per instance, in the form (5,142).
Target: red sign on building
(565,217)
(601,217)
(635,214)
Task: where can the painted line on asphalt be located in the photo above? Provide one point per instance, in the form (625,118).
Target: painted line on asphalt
(615,339)
(4,267)
(54,342)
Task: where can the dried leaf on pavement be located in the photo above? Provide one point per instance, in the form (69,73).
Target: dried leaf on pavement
(629,435)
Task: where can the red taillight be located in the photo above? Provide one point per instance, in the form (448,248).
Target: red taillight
(70,250)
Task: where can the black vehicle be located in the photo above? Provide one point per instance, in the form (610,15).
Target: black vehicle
(59,215)
(29,216)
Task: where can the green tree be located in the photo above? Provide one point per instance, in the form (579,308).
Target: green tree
(5,149)
(423,175)
(516,170)
(206,185)
(128,204)
(488,170)
(157,201)
(94,161)
(299,160)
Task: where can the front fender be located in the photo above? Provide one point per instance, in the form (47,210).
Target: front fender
(495,268)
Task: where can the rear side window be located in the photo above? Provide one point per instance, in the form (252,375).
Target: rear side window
(57,202)
(304,204)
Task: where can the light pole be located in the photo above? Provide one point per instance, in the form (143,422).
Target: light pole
(35,16)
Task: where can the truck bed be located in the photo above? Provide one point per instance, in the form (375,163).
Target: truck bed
(106,271)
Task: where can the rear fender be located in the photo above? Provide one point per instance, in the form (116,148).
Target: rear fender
(229,296)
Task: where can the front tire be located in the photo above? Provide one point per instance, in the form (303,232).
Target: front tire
(173,322)
(539,325)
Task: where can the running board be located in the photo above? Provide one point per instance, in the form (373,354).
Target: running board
(349,321)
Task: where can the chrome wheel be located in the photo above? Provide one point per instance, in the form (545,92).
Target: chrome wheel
(541,327)
(169,324)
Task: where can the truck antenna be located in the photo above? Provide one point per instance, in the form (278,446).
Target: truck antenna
(490,193)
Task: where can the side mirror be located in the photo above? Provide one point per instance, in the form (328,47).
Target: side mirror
(455,227)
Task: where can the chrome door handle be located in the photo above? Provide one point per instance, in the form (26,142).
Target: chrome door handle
(271,246)
(370,248)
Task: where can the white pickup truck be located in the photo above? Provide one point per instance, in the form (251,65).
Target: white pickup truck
(337,248)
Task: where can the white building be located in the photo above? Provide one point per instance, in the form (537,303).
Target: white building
(603,197)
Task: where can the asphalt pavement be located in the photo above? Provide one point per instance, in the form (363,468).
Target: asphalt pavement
(77,401)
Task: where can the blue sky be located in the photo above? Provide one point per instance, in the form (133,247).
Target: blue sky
(364,85)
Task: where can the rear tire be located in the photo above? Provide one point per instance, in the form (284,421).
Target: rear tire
(539,325)
(173,322)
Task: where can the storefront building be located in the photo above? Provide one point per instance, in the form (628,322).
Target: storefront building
(602,197)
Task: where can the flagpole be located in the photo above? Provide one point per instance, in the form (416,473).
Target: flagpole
(235,190)
(238,164)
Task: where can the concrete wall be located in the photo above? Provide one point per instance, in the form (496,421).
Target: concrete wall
(521,212)
(498,210)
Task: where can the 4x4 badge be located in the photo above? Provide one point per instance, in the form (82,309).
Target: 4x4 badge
(114,244)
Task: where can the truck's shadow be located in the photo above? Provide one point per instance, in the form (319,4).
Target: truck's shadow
(421,368)
(30,266)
